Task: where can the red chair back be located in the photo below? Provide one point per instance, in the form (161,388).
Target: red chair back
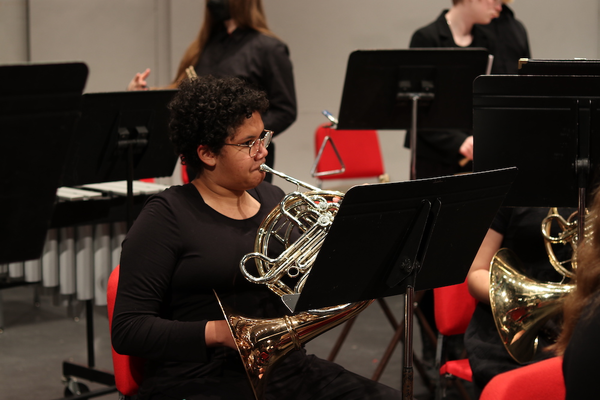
(453,308)
(359,150)
(128,369)
(540,380)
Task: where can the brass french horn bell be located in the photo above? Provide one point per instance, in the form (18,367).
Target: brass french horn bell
(299,224)
(262,343)
(521,305)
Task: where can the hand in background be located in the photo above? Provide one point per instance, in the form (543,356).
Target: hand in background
(466,149)
(139,81)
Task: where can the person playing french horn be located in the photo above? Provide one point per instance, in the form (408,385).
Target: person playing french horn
(517,229)
(189,240)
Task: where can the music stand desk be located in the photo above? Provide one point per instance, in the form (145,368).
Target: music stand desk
(39,107)
(401,89)
(393,238)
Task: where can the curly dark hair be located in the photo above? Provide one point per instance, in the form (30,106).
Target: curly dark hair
(206,110)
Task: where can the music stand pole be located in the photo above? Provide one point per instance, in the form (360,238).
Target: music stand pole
(407,370)
(583,164)
(414,97)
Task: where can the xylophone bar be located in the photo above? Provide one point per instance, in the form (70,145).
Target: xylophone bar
(79,259)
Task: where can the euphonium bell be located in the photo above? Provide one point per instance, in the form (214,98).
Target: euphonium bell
(521,305)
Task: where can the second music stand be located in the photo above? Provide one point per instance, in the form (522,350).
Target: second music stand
(554,122)
(403,89)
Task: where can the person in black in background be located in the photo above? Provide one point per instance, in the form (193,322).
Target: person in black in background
(441,153)
(510,41)
(234,40)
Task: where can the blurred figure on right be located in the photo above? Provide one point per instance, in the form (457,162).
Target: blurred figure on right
(510,41)
(578,341)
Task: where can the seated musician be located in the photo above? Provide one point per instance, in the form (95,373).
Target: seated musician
(578,342)
(518,229)
(189,240)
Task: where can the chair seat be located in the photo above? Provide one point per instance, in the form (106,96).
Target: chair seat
(359,149)
(459,368)
(541,380)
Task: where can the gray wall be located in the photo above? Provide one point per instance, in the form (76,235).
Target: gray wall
(117,38)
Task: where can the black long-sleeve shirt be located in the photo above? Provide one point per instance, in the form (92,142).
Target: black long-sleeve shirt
(510,42)
(177,251)
(259,59)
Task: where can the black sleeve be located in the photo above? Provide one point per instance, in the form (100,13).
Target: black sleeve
(279,85)
(421,39)
(523,34)
(501,220)
(148,260)
(446,142)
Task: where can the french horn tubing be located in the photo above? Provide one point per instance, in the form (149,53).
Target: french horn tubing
(308,215)
(299,224)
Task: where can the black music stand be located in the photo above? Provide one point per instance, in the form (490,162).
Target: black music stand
(577,66)
(554,122)
(401,239)
(121,136)
(400,89)
(39,107)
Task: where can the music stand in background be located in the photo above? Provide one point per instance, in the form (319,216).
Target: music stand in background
(400,89)
(39,107)
(577,66)
(405,236)
(121,136)
(548,127)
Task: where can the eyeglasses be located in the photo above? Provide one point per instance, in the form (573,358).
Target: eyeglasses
(254,146)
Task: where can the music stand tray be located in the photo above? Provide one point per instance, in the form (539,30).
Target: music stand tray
(39,107)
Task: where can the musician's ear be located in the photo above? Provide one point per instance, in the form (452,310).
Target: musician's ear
(206,155)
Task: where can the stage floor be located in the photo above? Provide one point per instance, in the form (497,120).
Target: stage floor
(36,341)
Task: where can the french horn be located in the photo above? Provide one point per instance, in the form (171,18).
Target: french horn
(521,305)
(299,223)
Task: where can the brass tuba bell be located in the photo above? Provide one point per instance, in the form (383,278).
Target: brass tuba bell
(299,224)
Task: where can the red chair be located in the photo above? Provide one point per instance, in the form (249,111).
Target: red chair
(453,308)
(347,154)
(541,380)
(128,369)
